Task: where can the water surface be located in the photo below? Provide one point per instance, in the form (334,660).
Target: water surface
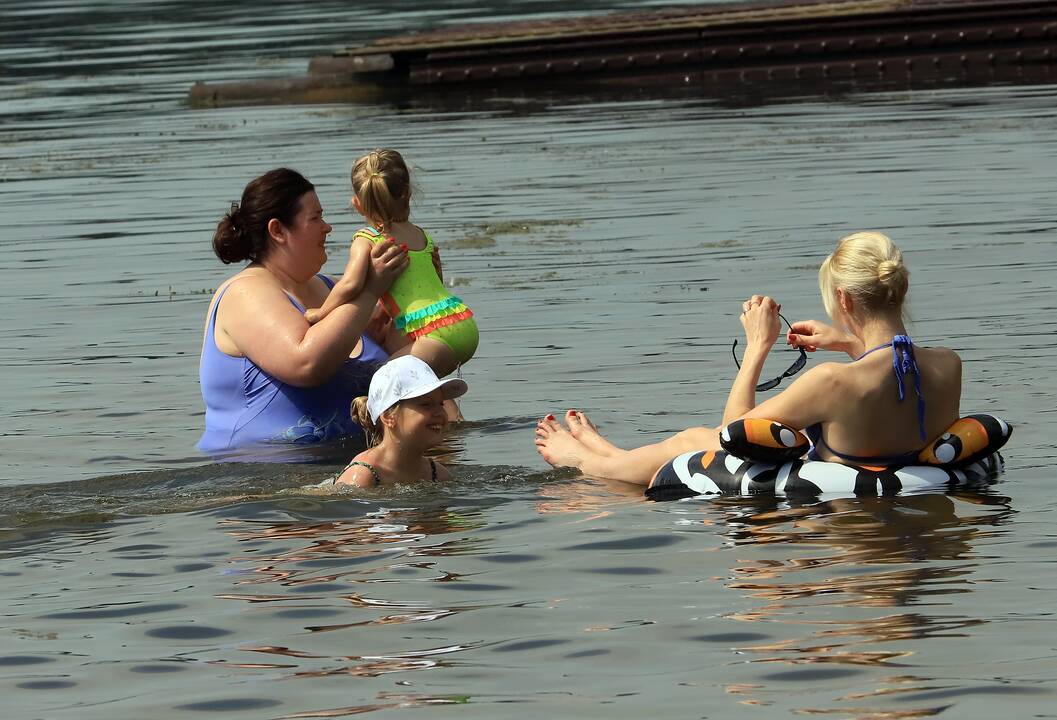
(605,244)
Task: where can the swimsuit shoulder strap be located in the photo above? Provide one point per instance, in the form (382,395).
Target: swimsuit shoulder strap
(370,233)
(211,325)
(903,363)
(374,471)
(433,468)
(873,349)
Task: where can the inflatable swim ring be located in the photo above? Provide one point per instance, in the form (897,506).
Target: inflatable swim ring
(766,457)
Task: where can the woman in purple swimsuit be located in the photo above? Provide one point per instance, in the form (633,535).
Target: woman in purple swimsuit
(873,408)
(268,376)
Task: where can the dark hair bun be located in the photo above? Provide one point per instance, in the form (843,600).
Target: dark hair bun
(242,234)
(229,241)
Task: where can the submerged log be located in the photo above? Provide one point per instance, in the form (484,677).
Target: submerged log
(728,43)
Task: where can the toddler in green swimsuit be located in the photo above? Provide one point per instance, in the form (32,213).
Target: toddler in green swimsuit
(438,327)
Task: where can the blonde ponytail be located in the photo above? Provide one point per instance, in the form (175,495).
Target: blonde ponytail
(382,184)
(372,431)
(869,267)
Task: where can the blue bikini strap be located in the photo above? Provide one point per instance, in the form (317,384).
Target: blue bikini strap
(903,362)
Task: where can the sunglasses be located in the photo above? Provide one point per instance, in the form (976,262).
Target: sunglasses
(796,367)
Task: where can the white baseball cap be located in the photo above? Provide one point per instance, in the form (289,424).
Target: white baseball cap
(407,377)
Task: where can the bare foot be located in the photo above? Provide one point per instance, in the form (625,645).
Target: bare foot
(556,445)
(581,428)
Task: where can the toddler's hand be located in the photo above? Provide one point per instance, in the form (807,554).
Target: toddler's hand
(313,315)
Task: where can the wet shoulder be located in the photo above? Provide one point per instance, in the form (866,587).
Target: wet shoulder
(250,282)
(361,473)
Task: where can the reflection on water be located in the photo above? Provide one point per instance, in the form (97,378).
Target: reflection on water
(851,546)
(867,607)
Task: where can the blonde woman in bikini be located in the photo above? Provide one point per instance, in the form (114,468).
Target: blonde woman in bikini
(881,408)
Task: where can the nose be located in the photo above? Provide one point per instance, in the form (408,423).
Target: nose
(328,227)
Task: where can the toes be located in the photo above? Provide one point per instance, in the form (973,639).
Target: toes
(546,426)
(582,417)
(578,421)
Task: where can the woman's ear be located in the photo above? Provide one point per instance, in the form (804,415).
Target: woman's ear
(388,418)
(846,301)
(276,230)
(357,205)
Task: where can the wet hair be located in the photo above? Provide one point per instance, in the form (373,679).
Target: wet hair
(372,431)
(242,234)
(869,267)
(382,184)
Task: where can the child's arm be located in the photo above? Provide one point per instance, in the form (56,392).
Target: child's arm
(351,283)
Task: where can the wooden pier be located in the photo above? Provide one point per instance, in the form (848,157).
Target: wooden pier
(768,42)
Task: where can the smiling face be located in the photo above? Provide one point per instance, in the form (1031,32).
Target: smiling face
(305,238)
(310,228)
(421,419)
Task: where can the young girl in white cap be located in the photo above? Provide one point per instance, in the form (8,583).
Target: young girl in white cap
(403,415)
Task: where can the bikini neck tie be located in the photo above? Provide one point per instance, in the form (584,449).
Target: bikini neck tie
(902,363)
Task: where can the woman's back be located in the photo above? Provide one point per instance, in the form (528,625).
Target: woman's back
(867,418)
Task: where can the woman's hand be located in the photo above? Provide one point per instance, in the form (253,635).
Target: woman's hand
(380,324)
(814,335)
(388,260)
(759,318)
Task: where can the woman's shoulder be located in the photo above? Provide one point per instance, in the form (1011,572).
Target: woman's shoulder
(827,373)
(829,381)
(942,365)
(249,288)
(251,279)
(939,355)
(248,280)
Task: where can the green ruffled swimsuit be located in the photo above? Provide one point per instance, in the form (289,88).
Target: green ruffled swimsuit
(422,307)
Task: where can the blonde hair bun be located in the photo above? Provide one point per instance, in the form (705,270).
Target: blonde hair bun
(869,267)
(372,431)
